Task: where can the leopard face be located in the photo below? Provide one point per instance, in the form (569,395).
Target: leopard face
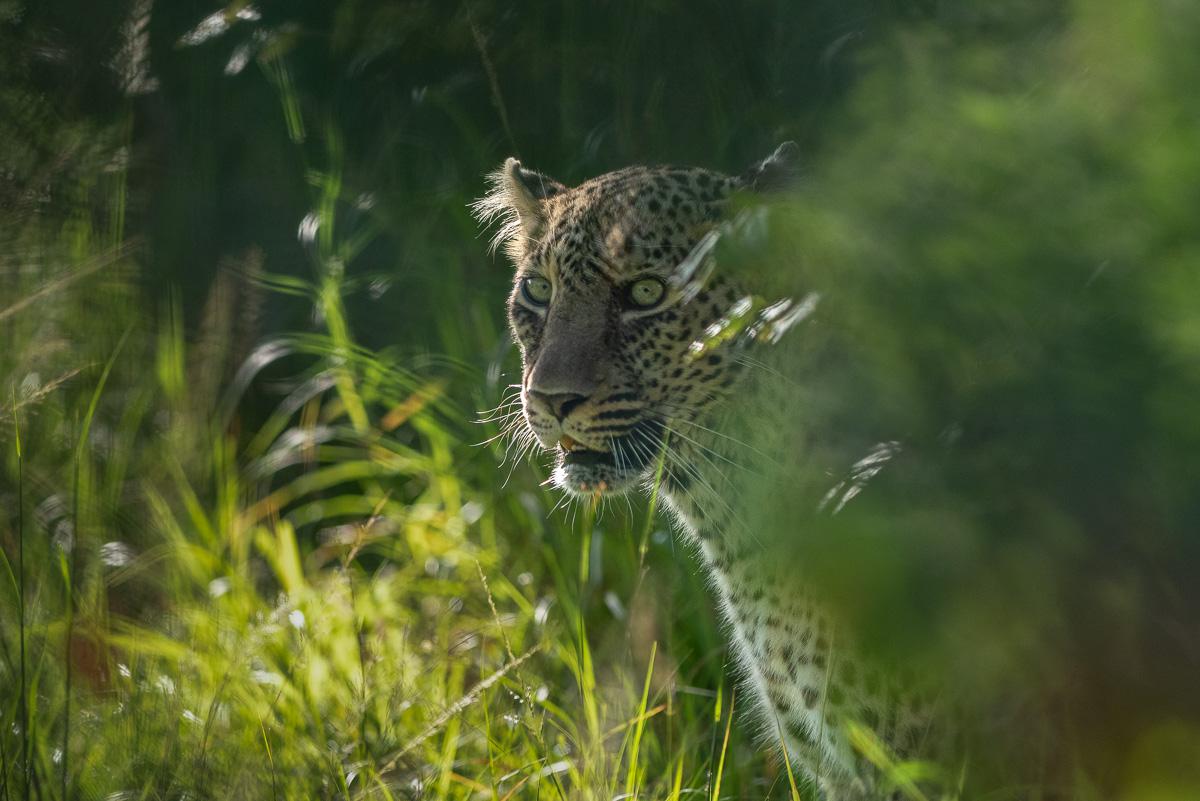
(612,336)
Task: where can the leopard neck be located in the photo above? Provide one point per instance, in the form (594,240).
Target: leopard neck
(717,460)
(702,482)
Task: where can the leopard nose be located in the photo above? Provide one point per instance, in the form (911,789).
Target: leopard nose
(559,404)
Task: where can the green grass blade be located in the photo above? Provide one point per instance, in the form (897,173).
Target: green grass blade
(631,788)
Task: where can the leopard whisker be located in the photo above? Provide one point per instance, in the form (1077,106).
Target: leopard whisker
(699,479)
(731,440)
(523,453)
(520,439)
(507,430)
(749,361)
(700,446)
(574,512)
(500,418)
(563,500)
(510,405)
(511,391)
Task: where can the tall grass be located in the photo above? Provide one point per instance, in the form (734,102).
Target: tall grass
(323,611)
(338,602)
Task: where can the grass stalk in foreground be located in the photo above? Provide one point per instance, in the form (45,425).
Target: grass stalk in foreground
(716,786)
(70,561)
(22,701)
(631,779)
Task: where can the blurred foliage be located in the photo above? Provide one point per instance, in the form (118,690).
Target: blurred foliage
(250,547)
(996,379)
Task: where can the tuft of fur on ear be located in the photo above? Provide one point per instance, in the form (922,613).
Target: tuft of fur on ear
(776,171)
(515,203)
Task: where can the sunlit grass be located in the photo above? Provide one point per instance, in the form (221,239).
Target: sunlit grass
(331,604)
(387,653)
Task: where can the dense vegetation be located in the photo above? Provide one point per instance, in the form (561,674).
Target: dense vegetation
(252,547)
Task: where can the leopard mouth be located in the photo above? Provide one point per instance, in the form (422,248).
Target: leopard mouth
(588,472)
(583,471)
(575,455)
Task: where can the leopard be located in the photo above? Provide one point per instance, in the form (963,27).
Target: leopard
(616,311)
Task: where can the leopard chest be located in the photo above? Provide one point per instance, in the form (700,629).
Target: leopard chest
(788,652)
(809,686)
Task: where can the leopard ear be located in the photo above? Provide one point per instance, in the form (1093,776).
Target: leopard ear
(517,201)
(776,171)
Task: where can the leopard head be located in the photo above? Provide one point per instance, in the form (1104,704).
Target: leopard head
(610,323)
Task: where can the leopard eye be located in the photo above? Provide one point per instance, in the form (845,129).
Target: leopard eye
(536,290)
(646,293)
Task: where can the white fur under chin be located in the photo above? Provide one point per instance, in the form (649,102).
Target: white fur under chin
(589,482)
